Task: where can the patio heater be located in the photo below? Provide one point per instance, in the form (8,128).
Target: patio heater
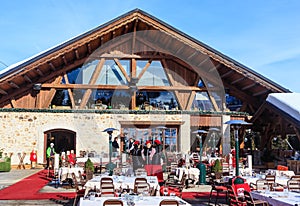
(237,124)
(110,166)
(201,166)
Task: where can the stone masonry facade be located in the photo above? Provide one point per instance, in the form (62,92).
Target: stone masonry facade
(24,131)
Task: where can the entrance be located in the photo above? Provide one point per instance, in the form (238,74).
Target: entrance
(64,140)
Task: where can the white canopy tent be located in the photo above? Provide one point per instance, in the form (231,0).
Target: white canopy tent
(288,103)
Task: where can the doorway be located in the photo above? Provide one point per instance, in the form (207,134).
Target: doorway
(64,140)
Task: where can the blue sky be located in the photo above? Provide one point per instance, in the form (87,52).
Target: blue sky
(263,35)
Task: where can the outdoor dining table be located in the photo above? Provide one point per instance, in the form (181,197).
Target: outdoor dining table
(278,198)
(123,182)
(280,180)
(145,201)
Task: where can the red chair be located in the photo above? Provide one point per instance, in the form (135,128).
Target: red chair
(240,185)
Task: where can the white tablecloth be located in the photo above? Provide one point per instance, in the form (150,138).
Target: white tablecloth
(278,198)
(279,180)
(121,181)
(146,201)
(66,172)
(288,173)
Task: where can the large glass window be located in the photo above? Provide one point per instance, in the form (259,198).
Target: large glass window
(169,138)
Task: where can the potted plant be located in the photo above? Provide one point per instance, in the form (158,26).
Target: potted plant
(217,169)
(89,169)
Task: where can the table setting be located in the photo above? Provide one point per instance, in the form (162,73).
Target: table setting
(284,198)
(131,200)
(121,182)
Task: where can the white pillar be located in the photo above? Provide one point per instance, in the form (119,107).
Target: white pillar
(249,160)
(225,135)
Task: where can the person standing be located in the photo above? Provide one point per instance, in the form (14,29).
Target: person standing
(158,161)
(137,161)
(72,158)
(115,147)
(50,155)
(147,155)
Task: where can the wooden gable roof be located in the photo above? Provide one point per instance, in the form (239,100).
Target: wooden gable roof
(238,80)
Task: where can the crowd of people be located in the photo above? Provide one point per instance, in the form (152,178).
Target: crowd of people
(148,156)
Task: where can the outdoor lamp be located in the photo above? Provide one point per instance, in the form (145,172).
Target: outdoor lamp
(201,166)
(237,124)
(110,166)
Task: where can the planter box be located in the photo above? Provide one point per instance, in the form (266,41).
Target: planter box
(5,164)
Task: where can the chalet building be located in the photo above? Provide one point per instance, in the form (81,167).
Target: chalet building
(141,76)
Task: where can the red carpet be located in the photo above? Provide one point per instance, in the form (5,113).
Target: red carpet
(28,189)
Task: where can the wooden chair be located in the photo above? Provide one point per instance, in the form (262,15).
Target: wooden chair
(80,189)
(271,181)
(261,185)
(219,189)
(112,202)
(107,190)
(173,167)
(106,180)
(169,203)
(250,201)
(233,199)
(140,172)
(142,187)
(140,180)
(293,185)
(295,177)
(177,187)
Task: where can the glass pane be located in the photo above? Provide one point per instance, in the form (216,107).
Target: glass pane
(163,100)
(110,99)
(202,102)
(111,74)
(61,98)
(73,76)
(233,103)
(154,76)
(86,72)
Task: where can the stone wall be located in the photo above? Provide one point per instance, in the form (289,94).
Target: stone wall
(24,131)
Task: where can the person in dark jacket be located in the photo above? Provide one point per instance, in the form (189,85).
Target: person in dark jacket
(136,152)
(115,147)
(147,154)
(158,161)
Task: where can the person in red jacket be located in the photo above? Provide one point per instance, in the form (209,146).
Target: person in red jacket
(72,158)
